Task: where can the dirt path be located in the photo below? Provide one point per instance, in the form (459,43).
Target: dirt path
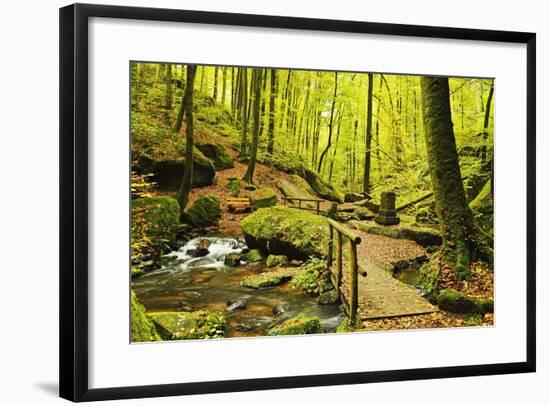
(381,295)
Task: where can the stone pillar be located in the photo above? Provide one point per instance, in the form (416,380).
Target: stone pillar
(387,215)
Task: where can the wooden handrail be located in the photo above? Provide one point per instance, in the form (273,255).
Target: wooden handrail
(352,306)
(303,199)
(346,231)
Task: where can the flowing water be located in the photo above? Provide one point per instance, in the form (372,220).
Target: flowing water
(205,283)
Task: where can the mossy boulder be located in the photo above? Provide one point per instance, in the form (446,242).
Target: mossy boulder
(155,221)
(160,150)
(217,154)
(264,197)
(141,326)
(268,279)
(297,325)
(284,230)
(205,212)
(189,325)
(254,255)
(232,259)
(328,298)
(457,302)
(424,236)
(321,188)
(274,261)
(312,278)
(296,187)
(168,172)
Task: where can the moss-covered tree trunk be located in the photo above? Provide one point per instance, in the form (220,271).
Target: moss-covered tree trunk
(451,207)
(368,138)
(257,89)
(183,192)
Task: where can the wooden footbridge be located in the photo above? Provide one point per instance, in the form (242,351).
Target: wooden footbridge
(365,290)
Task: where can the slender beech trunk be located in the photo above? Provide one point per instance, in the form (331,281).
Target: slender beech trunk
(486,124)
(257,89)
(451,207)
(168,95)
(271,126)
(244,115)
(224,84)
(183,192)
(368,138)
(215,92)
(330,125)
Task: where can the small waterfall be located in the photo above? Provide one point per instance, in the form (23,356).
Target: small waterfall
(218,249)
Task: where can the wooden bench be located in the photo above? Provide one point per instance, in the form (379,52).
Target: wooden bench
(238,203)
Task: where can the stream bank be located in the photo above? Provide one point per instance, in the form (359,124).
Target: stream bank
(190,283)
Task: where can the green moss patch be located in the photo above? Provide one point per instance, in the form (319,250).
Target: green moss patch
(205,212)
(268,279)
(297,325)
(274,261)
(218,155)
(283,230)
(155,221)
(141,327)
(254,255)
(312,278)
(189,325)
(457,302)
(422,235)
(264,197)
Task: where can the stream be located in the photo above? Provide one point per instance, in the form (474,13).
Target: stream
(187,283)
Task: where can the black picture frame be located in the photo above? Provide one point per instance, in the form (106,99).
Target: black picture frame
(74,201)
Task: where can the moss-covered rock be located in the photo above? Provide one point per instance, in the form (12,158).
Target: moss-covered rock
(424,236)
(296,187)
(161,151)
(274,261)
(312,278)
(168,173)
(218,155)
(362,213)
(457,302)
(297,325)
(155,221)
(321,188)
(264,197)
(189,325)
(254,255)
(141,326)
(284,230)
(205,212)
(328,298)
(268,279)
(232,260)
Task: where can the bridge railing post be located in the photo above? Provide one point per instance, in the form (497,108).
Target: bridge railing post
(353,268)
(338,263)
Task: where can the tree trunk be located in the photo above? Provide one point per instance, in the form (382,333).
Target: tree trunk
(257,89)
(272,99)
(183,192)
(451,207)
(215,92)
(224,85)
(244,115)
(330,125)
(368,140)
(486,124)
(168,95)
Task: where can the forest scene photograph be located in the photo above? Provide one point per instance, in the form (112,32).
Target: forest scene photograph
(269,202)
